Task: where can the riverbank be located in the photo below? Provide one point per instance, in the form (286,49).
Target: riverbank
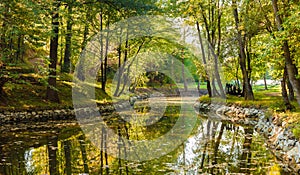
(31,96)
(279,138)
(30,106)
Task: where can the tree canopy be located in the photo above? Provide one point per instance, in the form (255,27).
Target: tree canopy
(241,41)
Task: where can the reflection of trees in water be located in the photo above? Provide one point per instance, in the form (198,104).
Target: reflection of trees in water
(52,155)
(12,163)
(83,153)
(67,151)
(17,143)
(221,148)
(245,161)
(215,147)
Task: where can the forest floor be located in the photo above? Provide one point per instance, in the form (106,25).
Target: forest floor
(27,95)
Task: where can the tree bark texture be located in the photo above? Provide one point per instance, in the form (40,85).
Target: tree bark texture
(52,94)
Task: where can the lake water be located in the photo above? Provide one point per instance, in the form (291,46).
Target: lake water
(61,147)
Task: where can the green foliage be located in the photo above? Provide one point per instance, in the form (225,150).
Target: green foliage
(26,29)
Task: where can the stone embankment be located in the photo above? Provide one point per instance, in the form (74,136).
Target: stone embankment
(10,117)
(279,138)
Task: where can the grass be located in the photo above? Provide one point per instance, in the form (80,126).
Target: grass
(31,96)
(263,98)
(270,98)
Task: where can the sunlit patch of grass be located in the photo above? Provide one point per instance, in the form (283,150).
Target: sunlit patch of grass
(32,96)
(189,85)
(205,99)
(261,101)
(270,98)
(271,88)
(65,77)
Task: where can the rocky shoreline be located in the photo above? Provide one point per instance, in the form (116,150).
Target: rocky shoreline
(280,140)
(11,116)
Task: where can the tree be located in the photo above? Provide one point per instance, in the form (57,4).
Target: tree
(284,94)
(3,78)
(68,38)
(212,16)
(247,88)
(206,77)
(291,67)
(207,15)
(52,94)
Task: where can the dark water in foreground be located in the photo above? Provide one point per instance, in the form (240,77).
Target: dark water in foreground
(61,147)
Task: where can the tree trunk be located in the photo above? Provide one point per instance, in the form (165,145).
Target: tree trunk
(67,55)
(284,94)
(248,58)
(183,76)
(291,68)
(80,71)
(104,76)
(2,83)
(122,68)
(52,94)
(101,47)
(215,92)
(182,66)
(265,82)
(247,89)
(237,76)
(11,47)
(291,90)
(217,74)
(212,22)
(126,75)
(119,65)
(204,60)
(86,29)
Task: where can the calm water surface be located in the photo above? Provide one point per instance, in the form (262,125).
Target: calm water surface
(61,147)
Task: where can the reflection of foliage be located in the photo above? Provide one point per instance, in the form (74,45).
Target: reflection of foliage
(206,159)
(39,157)
(165,123)
(214,147)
